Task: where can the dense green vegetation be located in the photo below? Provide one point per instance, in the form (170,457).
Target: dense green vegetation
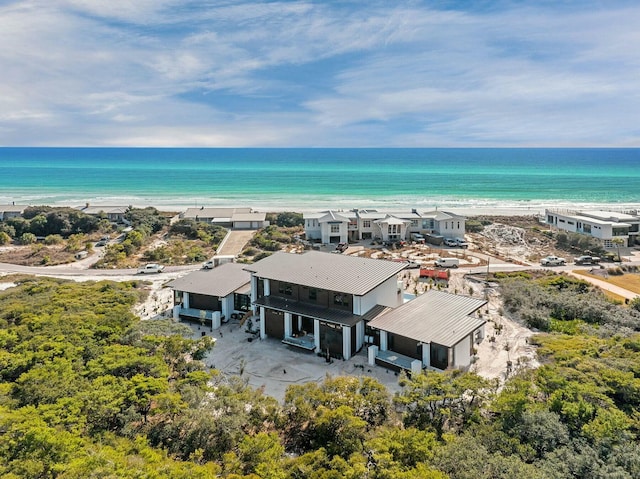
(87,390)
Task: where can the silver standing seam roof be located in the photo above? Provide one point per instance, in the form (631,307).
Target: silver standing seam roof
(333,272)
(221,281)
(434,317)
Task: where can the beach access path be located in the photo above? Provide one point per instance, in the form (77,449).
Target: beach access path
(235,242)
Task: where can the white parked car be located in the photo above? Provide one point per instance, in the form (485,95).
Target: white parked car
(553,261)
(151,268)
(461,242)
(450,242)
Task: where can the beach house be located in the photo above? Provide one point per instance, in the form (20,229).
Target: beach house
(357,225)
(320,301)
(115,214)
(437,330)
(605,226)
(236,218)
(212,296)
(11,211)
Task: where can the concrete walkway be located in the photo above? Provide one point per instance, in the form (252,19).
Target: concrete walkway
(235,242)
(625,293)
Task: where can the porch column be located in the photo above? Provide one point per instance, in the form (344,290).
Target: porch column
(316,334)
(450,357)
(185,300)
(287,325)
(383,340)
(267,287)
(263,333)
(359,335)
(346,342)
(254,289)
(426,355)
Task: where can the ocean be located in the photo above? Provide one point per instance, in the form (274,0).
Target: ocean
(309,179)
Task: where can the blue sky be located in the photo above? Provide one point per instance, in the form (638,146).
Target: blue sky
(319,73)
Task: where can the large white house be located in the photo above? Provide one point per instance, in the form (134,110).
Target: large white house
(605,226)
(355,225)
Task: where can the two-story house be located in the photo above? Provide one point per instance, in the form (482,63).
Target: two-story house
(355,225)
(605,226)
(321,301)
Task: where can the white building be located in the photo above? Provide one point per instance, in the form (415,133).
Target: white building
(605,226)
(355,225)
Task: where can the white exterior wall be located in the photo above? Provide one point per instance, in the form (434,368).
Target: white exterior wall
(451,228)
(227,306)
(312,228)
(462,353)
(599,229)
(326,234)
(385,294)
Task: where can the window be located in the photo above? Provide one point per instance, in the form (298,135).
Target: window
(340,299)
(241,302)
(313,294)
(439,356)
(335,228)
(620,231)
(458,225)
(586,228)
(366,224)
(285,288)
(414,223)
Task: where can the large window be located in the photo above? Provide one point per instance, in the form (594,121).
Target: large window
(366,224)
(313,294)
(340,299)
(285,288)
(335,228)
(241,302)
(439,356)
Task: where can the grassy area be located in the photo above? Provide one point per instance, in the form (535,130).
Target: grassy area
(628,281)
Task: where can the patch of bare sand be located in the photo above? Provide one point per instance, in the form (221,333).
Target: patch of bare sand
(272,367)
(505,348)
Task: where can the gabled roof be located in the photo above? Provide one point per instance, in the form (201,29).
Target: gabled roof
(392,220)
(333,272)
(434,317)
(95,210)
(441,215)
(221,281)
(332,216)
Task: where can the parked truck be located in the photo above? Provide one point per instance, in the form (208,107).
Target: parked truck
(447,262)
(586,260)
(553,261)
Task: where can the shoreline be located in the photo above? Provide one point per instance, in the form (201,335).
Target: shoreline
(312,204)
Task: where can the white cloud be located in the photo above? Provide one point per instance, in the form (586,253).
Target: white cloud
(309,73)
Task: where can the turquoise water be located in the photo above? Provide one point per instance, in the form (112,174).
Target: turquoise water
(307,179)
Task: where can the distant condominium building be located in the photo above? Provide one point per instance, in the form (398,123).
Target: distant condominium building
(332,226)
(605,226)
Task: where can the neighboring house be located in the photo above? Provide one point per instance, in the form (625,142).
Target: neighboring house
(437,329)
(327,226)
(237,218)
(321,301)
(355,225)
(115,214)
(11,211)
(212,296)
(605,226)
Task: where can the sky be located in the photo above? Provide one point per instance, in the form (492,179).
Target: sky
(392,73)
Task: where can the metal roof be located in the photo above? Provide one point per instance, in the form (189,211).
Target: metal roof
(13,208)
(333,272)
(221,281)
(434,317)
(252,216)
(332,216)
(392,220)
(207,212)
